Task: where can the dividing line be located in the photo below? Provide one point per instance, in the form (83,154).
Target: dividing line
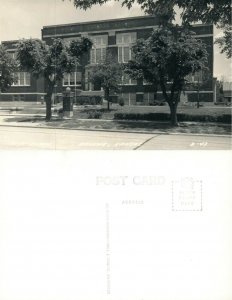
(136,148)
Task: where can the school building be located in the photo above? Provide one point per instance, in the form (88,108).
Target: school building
(118,37)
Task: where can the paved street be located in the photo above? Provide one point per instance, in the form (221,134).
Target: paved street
(60,139)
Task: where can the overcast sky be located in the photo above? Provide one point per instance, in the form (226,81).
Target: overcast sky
(25,18)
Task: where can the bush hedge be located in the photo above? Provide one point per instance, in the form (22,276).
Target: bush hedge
(88,100)
(182,117)
(94,114)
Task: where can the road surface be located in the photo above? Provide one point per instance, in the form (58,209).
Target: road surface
(61,139)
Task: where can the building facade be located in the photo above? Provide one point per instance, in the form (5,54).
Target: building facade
(25,87)
(117,37)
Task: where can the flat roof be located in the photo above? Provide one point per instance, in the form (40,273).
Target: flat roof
(113,20)
(101,21)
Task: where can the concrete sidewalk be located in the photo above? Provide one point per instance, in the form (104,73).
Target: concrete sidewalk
(22,138)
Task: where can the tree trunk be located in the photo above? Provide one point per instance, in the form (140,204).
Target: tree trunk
(48,107)
(172,100)
(50,87)
(173,103)
(107,97)
(173,109)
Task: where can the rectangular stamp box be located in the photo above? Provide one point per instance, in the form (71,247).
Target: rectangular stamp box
(187,194)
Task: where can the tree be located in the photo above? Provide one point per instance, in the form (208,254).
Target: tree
(108,75)
(224,42)
(217,12)
(7,68)
(165,59)
(50,61)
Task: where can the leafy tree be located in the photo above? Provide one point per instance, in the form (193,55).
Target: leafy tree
(7,67)
(217,12)
(165,59)
(224,42)
(50,61)
(108,75)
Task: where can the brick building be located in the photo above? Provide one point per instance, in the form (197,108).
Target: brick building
(25,87)
(116,36)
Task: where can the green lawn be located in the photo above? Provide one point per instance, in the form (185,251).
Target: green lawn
(84,112)
(94,112)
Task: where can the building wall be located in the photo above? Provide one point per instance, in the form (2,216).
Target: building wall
(22,90)
(142,27)
(134,93)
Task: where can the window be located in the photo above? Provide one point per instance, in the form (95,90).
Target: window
(194,77)
(126,80)
(124,54)
(98,51)
(124,42)
(126,38)
(139,97)
(72,79)
(22,79)
(145,82)
(12,54)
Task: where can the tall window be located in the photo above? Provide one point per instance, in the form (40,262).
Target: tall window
(124,42)
(72,79)
(145,82)
(22,79)
(12,54)
(98,51)
(126,80)
(197,77)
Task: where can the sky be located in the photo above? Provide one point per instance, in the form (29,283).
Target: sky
(25,19)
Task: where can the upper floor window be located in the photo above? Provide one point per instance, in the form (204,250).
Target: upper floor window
(126,38)
(126,80)
(12,54)
(98,51)
(124,42)
(72,79)
(145,82)
(22,79)
(194,78)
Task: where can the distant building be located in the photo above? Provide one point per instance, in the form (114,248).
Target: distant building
(116,36)
(227,91)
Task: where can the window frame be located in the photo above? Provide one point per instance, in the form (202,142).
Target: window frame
(69,79)
(18,83)
(194,78)
(123,44)
(130,81)
(102,46)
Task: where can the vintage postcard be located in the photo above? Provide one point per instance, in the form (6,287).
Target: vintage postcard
(79,220)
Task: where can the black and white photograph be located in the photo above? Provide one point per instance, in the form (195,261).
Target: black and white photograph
(148,75)
(81,79)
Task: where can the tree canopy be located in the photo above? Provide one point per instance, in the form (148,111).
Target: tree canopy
(107,74)
(7,68)
(165,59)
(51,61)
(207,11)
(217,12)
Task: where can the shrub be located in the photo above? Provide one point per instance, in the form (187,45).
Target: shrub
(121,101)
(182,117)
(94,114)
(88,100)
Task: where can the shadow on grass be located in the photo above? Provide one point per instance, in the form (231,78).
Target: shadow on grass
(197,128)
(36,119)
(163,127)
(146,125)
